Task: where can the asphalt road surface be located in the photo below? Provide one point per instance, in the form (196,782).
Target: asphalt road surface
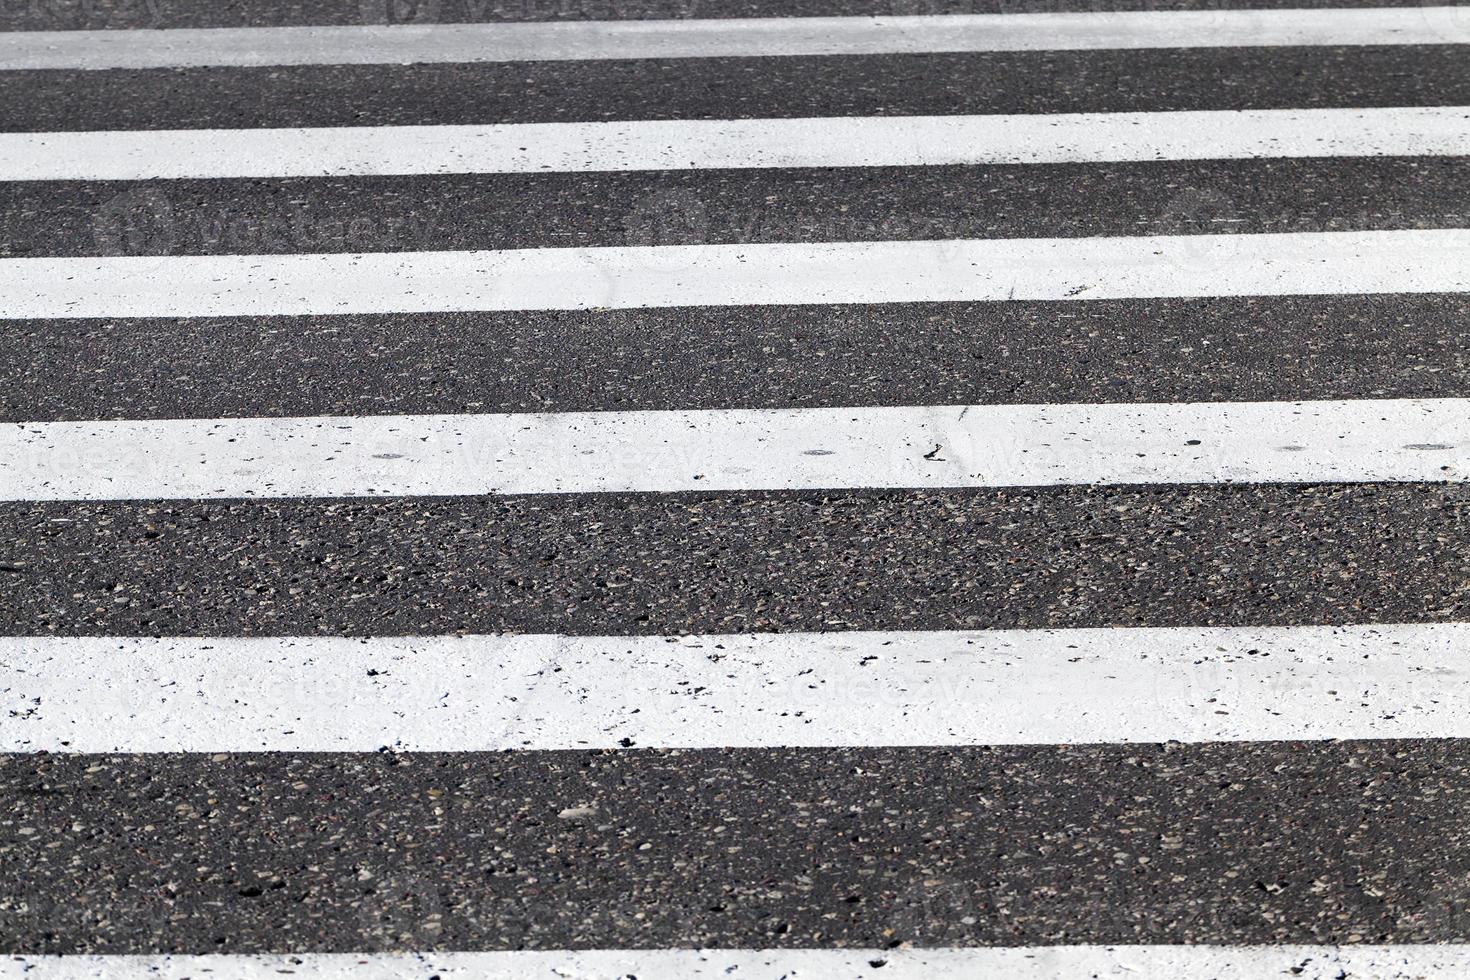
(769,489)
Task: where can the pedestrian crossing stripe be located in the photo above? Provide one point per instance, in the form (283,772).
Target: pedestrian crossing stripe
(907,447)
(702,144)
(727,37)
(543,692)
(1041,962)
(761,274)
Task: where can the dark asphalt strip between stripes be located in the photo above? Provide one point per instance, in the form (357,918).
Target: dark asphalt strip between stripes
(31,15)
(869,847)
(736,88)
(736,562)
(1239,349)
(493,211)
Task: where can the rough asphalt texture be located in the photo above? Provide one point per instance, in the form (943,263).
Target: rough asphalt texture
(1250,349)
(731,563)
(736,88)
(1239,843)
(496,211)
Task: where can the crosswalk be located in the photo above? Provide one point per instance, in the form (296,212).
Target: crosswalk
(799,488)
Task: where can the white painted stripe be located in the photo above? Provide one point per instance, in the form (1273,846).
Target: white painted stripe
(1436,962)
(497,693)
(1308,263)
(690,144)
(739,449)
(724,38)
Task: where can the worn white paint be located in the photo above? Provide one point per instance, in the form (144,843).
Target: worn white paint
(985,270)
(497,693)
(693,144)
(357,44)
(739,449)
(1427,962)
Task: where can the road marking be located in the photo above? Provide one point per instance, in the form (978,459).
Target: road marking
(693,144)
(1422,962)
(968,270)
(921,447)
(725,38)
(540,692)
